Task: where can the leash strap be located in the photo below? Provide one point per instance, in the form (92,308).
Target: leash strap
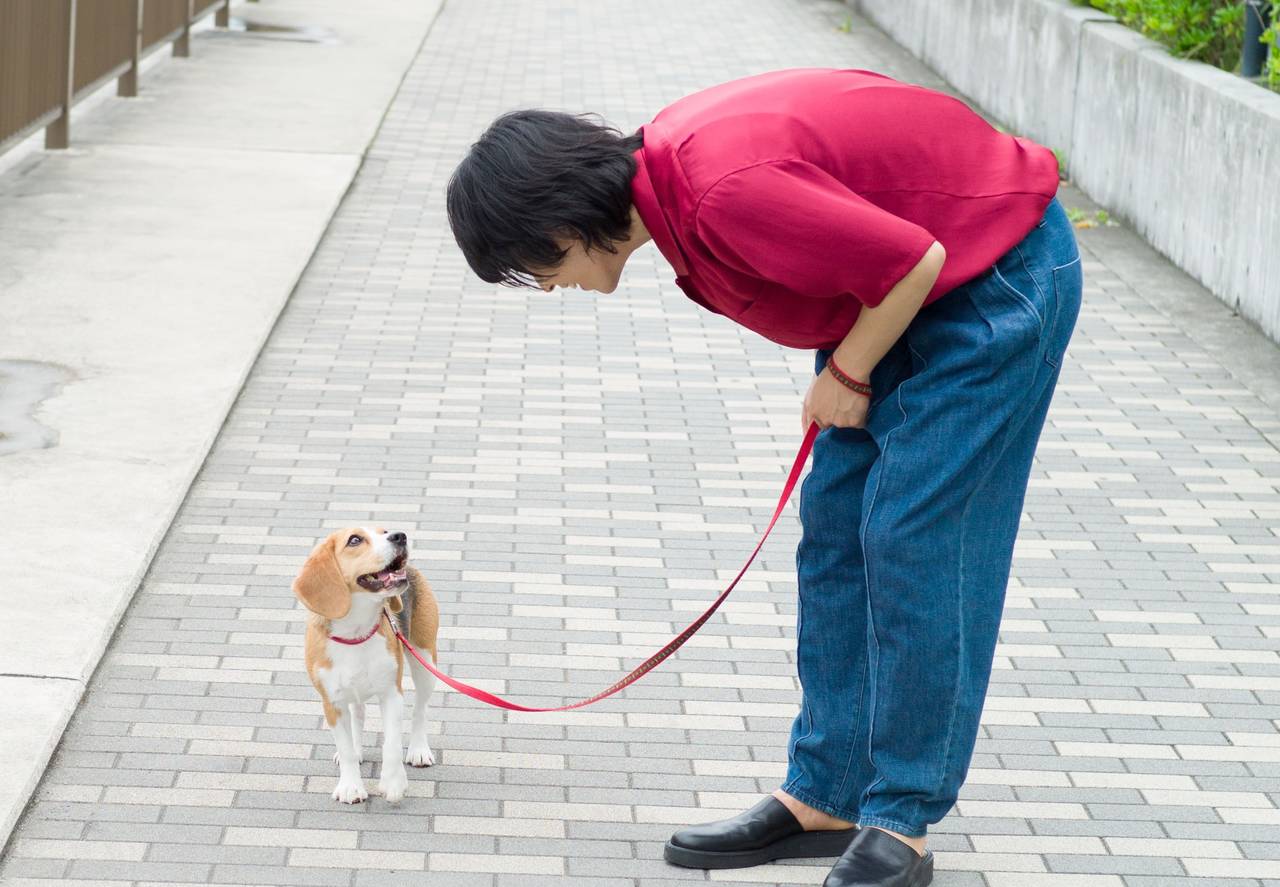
(653,661)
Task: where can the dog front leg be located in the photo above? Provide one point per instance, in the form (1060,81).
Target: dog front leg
(419,745)
(357,730)
(350,788)
(394,779)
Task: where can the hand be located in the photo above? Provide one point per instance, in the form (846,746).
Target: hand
(831,404)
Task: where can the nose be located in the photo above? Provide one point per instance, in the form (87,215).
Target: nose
(396,539)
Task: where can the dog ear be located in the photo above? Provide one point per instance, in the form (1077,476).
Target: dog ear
(320,585)
(394,604)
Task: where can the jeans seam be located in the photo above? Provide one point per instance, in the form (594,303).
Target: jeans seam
(1074,261)
(1046,322)
(955,693)
(849,742)
(1027,268)
(866,575)
(804,702)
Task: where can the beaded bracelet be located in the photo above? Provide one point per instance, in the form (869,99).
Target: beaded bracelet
(845,379)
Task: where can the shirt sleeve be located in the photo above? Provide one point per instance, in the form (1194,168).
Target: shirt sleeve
(791,223)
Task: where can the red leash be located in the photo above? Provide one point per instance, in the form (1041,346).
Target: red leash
(672,645)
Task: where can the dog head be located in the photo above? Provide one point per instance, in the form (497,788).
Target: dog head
(357,560)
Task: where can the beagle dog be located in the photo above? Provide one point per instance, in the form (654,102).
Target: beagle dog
(352,656)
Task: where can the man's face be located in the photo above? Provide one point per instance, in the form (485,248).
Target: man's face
(585,269)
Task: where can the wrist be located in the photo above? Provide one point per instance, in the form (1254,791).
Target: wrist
(853,365)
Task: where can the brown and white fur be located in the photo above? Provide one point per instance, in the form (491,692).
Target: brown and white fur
(346,581)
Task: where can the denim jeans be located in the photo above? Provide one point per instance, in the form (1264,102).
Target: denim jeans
(908,532)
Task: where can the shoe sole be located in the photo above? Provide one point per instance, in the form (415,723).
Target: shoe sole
(830,842)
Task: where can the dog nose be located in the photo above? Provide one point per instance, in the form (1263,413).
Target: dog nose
(396,539)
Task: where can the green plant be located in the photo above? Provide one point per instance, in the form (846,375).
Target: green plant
(1062,163)
(1081,219)
(1207,30)
(1271,37)
(846,26)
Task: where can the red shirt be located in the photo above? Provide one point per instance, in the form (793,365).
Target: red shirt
(786,201)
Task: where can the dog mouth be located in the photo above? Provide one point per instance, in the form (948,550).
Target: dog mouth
(391,576)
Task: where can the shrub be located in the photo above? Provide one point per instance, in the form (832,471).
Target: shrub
(1206,30)
(1272,39)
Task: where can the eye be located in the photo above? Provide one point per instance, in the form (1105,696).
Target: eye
(353,541)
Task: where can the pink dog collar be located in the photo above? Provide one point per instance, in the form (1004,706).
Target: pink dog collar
(351,642)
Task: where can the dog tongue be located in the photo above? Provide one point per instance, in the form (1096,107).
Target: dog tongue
(390,577)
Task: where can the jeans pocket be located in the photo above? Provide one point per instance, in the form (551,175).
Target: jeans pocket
(889,372)
(1005,287)
(1068,280)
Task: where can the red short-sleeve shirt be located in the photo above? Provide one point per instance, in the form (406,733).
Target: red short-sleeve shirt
(787,201)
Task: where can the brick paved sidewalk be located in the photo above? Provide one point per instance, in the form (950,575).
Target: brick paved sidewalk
(580,474)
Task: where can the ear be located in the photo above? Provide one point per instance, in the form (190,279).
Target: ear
(320,585)
(394,604)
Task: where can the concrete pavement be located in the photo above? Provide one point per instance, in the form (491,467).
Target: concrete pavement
(580,474)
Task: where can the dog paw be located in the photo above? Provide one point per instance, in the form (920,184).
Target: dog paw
(359,756)
(392,785)
(419,755)
(350,792)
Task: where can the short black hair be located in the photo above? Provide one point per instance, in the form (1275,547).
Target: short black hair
(534,176)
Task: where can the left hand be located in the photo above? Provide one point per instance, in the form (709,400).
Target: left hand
(832,405)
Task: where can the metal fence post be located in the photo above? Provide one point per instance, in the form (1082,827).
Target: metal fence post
(127,84)
(182,46)
(58,133)
(1257,18)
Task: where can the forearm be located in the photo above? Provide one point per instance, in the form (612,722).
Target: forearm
(876,329)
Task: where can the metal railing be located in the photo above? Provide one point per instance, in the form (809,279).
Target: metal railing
(55,52)
(1257,19)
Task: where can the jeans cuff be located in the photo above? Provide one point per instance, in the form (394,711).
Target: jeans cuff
(911,831)
(818,804)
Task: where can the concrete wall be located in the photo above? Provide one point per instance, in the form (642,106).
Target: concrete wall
(1187,154)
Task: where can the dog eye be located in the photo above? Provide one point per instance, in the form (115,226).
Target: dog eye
(354,540)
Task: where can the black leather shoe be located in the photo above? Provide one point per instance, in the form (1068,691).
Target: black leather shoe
(878,859)
(766,832)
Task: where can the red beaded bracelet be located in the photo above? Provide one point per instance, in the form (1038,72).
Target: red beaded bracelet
(845,379)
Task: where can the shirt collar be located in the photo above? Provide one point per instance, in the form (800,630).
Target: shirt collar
(646,203)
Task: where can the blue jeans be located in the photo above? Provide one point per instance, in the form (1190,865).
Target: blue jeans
(908,532)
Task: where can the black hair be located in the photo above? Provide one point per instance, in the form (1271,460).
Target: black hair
(534,176)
